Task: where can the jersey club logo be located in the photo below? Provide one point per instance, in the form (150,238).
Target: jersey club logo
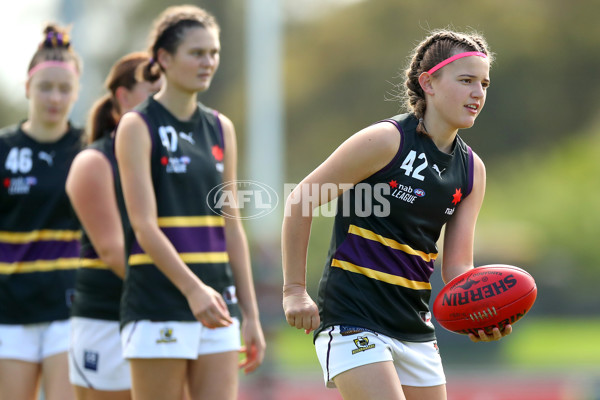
(457,196)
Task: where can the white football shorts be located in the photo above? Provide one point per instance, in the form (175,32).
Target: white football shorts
(341,348)
(34,342)
(177,339)
(96,357)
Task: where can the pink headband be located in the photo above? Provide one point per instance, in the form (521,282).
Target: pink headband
(46,64)
(456,57)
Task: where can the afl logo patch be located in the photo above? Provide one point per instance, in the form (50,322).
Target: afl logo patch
(90,360)
(419,193)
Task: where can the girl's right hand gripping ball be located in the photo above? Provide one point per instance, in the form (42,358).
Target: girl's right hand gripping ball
(485,297)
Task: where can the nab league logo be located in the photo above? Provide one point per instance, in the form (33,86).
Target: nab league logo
(19,185)
(175,165)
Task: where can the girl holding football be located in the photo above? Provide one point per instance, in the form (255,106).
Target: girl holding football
(372,323)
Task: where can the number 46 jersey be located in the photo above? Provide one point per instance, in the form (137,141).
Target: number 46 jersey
(385,232)
(39,233)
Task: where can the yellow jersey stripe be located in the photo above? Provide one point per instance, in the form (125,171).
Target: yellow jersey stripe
(205,220)
(381,276)
(191,258)
(23,267)
(33,236)
(367,234)
(94,263)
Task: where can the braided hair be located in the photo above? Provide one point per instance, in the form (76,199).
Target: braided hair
(435,48)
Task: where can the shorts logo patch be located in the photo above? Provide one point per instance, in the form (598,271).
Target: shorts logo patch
(90,360)
(166,336)
(346,330)
(362,344)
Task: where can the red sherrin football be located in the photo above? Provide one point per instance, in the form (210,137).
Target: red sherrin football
(485,297)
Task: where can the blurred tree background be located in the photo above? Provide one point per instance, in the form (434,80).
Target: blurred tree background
(539,133)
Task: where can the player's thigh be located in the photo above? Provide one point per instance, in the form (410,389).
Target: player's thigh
(26,386)
(214,376)
(425,393)
(83,393)
(55,378)
(157,378)
(376,381)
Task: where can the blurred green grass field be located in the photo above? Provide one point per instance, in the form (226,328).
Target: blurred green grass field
(554,343)
(294,350)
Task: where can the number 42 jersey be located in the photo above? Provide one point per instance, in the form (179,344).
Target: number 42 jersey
(384,239)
